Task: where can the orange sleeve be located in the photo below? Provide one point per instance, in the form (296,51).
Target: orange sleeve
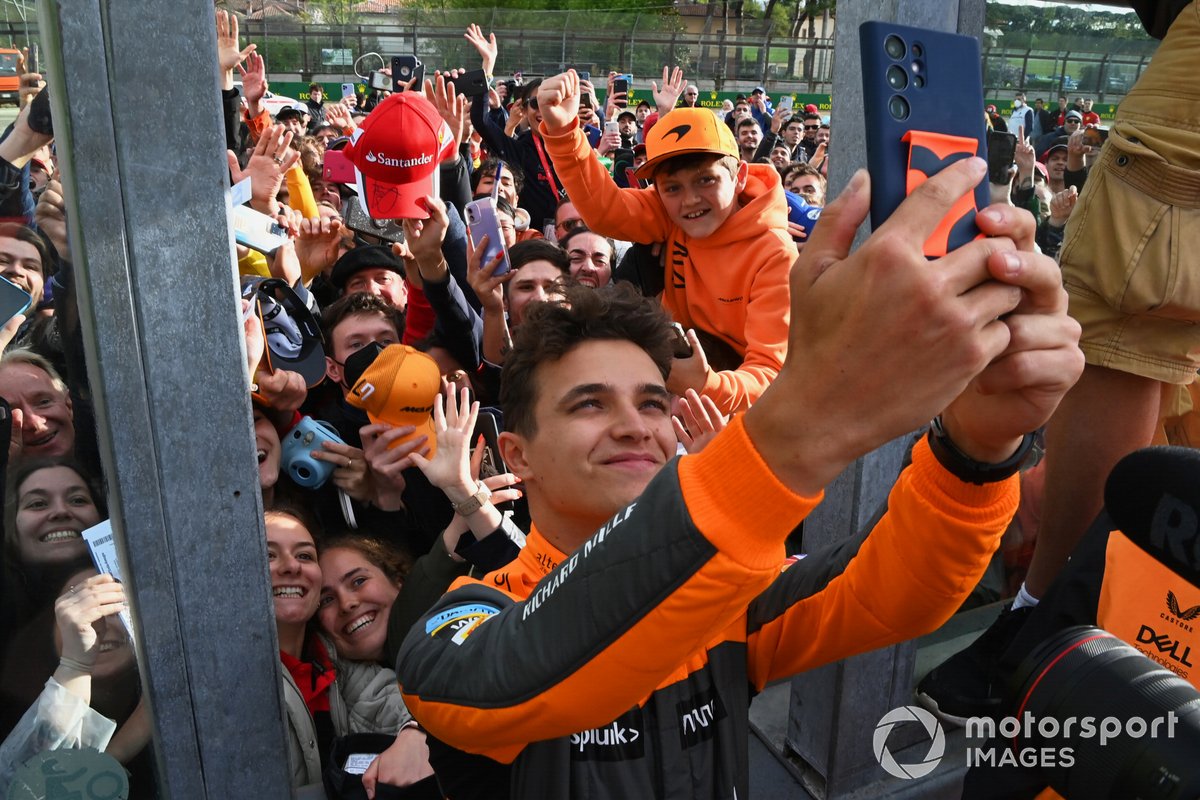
(634,215)
(768,313)
(300,195)
(257,124)
(674,569)
(911,573)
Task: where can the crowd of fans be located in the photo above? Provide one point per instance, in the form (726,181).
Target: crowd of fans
(444,452)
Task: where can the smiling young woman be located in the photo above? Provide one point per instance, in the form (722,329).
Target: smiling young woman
(325,694)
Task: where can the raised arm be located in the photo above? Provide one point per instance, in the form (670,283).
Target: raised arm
(631,214)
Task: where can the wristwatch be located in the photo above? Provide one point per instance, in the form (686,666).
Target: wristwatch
(473,503)
(967,469)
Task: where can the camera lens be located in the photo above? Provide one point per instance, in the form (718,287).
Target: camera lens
(1086,673)
(894,47)
(303,472)
(918,81)
(917,51)
(897,78)
(898,108)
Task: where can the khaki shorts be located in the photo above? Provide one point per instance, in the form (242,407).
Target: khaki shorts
(1131,252)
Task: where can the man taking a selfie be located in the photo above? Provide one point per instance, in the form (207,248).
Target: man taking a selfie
(615,657)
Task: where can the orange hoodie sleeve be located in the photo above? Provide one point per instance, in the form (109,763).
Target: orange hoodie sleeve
(634,215)
(768,314)
(910,574)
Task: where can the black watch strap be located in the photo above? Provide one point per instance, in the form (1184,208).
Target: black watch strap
(967,469)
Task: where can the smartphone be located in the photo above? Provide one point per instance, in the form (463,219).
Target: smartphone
(348,90)
(380,81)
(1002,149)
(404,69)
(357,219)
(682,348)
(256,230)
(915,84)
(583,74)
(487,427)
(471,84)
(786,102)
(481,221)
(13,300)
(632,179)
(1095,136)
(337,168)
(622,83)
(612,126)
(31,65)
(585,100)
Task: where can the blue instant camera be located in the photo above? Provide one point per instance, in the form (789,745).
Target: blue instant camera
(297,459)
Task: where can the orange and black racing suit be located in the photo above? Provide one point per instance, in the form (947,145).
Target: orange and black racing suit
(626,669)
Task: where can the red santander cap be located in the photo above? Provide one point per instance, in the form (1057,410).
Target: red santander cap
(395,152)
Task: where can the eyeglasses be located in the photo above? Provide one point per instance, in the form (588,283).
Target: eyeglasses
(567,224)
(812,127)
(531,102)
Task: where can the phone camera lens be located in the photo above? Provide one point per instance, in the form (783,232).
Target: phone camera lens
(897,78)
(918,51)
(894,47)
(898,108)
(918,81)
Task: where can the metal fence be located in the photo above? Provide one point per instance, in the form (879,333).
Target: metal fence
(546,42)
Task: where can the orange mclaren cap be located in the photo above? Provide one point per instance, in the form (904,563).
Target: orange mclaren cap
(684,131)
(399,388)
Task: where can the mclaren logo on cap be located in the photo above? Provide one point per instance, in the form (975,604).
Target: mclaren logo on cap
(679,130)
(424,158)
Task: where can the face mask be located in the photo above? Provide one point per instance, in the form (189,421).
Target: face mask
(357,363)
(1017,104)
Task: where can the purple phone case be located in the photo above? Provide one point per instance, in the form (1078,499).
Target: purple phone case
(481,221)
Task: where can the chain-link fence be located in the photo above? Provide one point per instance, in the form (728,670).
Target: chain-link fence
(546,42)
(748,53)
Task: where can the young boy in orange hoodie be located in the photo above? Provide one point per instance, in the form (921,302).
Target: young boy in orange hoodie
(723,223)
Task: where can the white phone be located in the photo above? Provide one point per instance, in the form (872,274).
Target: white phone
(256,230)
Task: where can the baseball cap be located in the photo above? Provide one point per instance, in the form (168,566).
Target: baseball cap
(626,113)
(289,111)
(1058,144)
(1041,169)
(399,388)
(684,131)
(361,258)
(294,340)
(396,152)
(811,108)
(1073,114)
(991,109)
(759,90)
